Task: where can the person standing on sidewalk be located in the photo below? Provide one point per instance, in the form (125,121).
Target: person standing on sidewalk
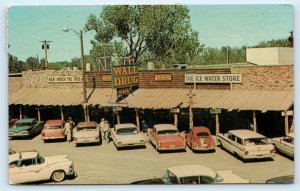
(106,129)
(68,130)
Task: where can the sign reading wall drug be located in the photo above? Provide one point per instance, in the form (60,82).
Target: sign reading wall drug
(64,79)
(124,76)
(213,78)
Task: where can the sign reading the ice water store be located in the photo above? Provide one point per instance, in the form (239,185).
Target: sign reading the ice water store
(213,78)
(124,76)
(63,79)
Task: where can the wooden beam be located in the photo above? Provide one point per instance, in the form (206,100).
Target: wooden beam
(118,118)
(87,113)
(217,124)
(286,124)
(254,121)
(39,113)
(21,113)
(62,113)
(176,120)
(137,117)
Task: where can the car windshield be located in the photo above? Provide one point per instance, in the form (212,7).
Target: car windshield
(202,134)
(53,127)
(256,141)
(20,124)
(89,128)
(127,131)
(167,131)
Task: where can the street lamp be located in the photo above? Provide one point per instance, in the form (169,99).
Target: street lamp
(79,34)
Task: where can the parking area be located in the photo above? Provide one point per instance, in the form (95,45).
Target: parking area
(104,164)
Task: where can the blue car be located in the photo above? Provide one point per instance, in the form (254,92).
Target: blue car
(26,128)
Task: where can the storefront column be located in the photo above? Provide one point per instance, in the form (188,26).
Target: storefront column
(176,120)
(87,113)
(84,110)
(254,121)
(217,124)
(39,113)
(21,114)
(118,117)
(62,113)
(286,124)
(137,117)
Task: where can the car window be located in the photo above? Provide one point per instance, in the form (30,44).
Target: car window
(40,160)
(231,137)
(22,124)
(288,139)
(127,131)
(89,128)
(190,180)
(26,162)
(207,180)
(202,134)
(13,164)
(239,140)
(53,127)
(167,131)
(170,178)
(256,141)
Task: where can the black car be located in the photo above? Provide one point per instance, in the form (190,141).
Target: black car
(281,180)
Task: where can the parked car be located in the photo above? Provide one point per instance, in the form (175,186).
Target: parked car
(87,132)
(26,128)
(166,137)
(284,144)
(200,139)
(246,144)
(127,135)
(281,180)
(53,129)
(29,166)
(195,174)
(11,121)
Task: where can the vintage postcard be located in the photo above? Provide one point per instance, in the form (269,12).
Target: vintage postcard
(151,94)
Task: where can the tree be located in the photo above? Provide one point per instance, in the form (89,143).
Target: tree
(162,30)
(14,65)
(31,63)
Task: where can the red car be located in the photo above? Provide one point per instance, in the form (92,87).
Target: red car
(166,137)
(53,129)
(200,139)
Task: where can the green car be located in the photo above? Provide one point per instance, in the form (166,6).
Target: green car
(26,128)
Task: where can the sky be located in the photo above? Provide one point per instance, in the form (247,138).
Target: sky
(217,25)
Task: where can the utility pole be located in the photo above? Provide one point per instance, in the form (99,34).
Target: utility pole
(45,46)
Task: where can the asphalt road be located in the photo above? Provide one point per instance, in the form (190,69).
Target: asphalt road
(104,164)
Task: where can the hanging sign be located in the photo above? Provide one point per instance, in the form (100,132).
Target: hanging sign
(124,76)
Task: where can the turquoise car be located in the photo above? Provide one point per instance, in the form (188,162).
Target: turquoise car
(26,128)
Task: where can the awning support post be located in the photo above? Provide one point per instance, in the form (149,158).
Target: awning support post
(286,124)
(62,113)
(87,113)
(217,124)
(84,110)
(254,121)
(39,113)
(118,117)
(176,120)
(21,114)
(137,117)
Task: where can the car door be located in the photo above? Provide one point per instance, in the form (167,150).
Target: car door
(29,170)
(287,145)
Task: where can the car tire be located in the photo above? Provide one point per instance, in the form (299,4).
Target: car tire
(58,176)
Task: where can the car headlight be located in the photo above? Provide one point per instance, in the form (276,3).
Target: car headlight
(246,152)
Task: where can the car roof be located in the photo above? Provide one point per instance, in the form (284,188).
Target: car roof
(124,125)
(54,122)
(192,170)
(23,155)
(200,129)
(246,134)
(27,120)
(87,124)
(161,127)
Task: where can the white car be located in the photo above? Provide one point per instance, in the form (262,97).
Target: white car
(246,144)
(198,174)
(284,144)
(29,166)
(127,135)
(87,132)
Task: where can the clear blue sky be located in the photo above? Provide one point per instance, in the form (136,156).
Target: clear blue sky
(218,25)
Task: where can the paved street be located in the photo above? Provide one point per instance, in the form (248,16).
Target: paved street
(104,164)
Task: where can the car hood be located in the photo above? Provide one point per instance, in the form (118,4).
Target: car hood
(137,137)
(56,159)
(20,128)
(229,177)
(86,134)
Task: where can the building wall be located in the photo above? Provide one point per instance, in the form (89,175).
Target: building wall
(39,79)
(14,84)
(265,78)
(254,78)
(270,56)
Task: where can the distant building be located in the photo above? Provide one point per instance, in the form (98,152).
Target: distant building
(270,56)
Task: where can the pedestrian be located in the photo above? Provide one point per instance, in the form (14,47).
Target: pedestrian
(68,130)
(72,127)
(106,128)
(102,127)
(144,126)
